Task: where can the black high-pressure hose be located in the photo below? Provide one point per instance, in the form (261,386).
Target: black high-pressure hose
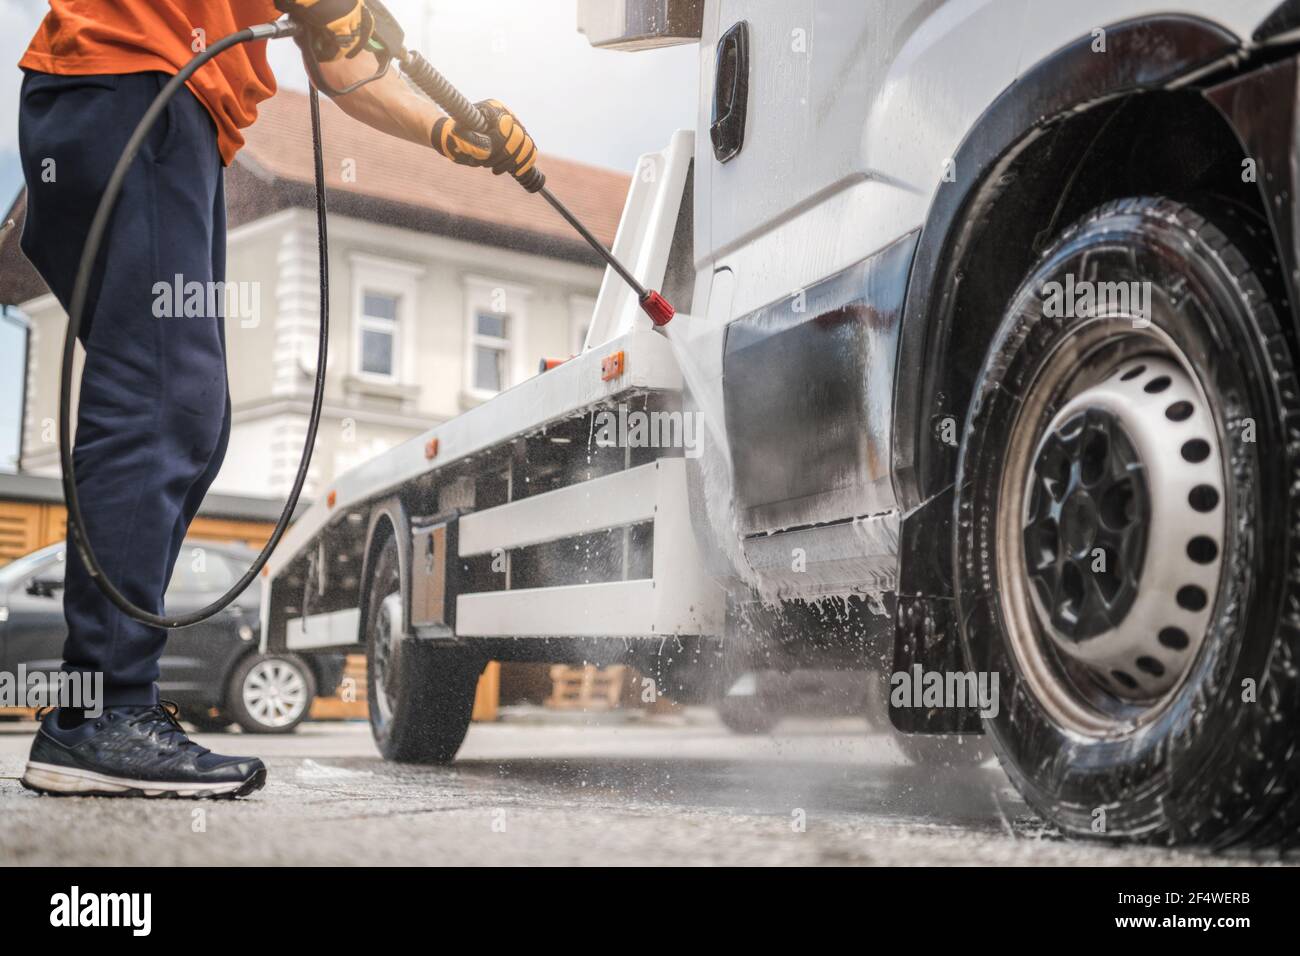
(387,44)
(89,254)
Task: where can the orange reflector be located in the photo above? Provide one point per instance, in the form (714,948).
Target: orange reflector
(332,498)
(266,572)
(611,366)
(431,449)
(546,364)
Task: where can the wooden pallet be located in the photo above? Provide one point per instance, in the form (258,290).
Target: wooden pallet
(586,688)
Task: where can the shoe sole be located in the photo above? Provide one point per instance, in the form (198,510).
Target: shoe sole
(72,782)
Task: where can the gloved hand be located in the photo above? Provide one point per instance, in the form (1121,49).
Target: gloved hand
(506,147)
(337,26)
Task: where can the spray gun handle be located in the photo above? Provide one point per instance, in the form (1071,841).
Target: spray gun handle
(439,89)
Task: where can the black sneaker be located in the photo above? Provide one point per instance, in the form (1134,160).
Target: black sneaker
(133,752)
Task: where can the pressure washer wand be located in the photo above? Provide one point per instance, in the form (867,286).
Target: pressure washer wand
(439,89)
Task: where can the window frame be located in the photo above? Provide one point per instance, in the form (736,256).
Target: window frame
(479,292)
(378,275)
(365,322)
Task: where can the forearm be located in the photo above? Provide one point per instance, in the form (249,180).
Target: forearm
(340,39)
(388,104)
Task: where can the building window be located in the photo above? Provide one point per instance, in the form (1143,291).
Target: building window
(496,316)
(491,351)
(377,326)
(384,294)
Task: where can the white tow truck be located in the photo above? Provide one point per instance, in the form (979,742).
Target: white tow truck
(987,320)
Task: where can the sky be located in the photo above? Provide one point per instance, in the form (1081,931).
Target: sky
(600,106)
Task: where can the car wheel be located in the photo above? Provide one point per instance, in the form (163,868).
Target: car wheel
(420,696)
(270,693)
(1124,517)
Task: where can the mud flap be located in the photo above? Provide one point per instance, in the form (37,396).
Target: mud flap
(926,639)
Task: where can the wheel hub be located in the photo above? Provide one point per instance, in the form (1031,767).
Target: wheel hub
(1079,523)
(275,693)
(1122,530)
(1085,538)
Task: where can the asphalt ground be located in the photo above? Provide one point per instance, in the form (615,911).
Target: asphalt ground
(677,790)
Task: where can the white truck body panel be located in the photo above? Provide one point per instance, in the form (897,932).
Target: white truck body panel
(323,630)
(680,598)
(623,498)
(851,122)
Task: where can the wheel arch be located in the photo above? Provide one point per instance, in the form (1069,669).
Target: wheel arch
(388,518)
(1042,155)
(1039,158)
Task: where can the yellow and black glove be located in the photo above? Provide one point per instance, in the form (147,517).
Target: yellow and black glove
(338,27)
(506,147)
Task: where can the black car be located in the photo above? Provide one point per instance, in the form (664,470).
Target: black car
(213,670)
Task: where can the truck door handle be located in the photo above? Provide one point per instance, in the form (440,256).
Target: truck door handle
(730,93)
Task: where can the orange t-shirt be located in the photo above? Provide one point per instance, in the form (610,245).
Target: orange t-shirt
(81,37)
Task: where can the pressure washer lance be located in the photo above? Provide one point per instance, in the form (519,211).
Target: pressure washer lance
(437,87)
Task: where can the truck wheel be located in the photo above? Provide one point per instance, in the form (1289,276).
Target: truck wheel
(270,693)
(1123,535)
(420,696)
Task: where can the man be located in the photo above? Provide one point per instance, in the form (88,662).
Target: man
(154,413)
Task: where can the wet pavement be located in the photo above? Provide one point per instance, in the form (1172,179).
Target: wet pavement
(674,790)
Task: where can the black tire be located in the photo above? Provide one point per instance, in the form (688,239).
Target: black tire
(1200,764)
(246,702)
(208,721)
(420,696)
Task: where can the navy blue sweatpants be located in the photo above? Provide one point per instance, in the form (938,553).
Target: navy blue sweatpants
(154,411)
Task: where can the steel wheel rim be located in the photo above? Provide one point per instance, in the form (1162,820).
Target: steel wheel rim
(1079,683)
(275,692)
(384,666)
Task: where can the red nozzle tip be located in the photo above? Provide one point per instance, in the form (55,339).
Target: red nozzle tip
(657,307)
